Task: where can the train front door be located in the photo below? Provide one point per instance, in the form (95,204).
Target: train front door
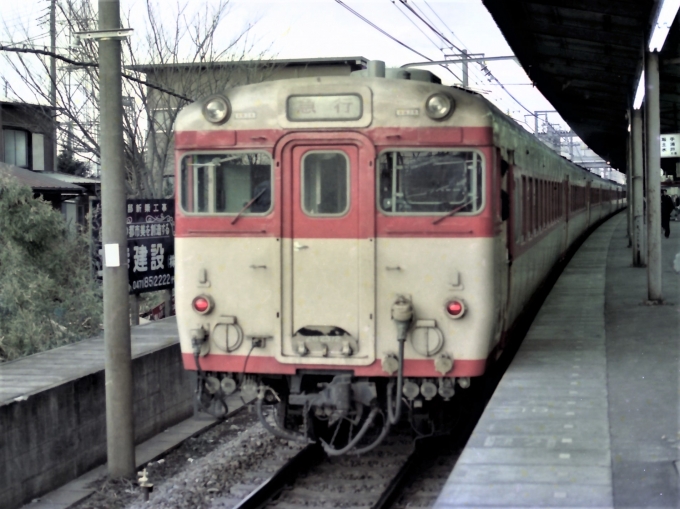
(328,248)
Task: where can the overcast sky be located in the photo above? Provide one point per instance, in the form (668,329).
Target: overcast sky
(323,28)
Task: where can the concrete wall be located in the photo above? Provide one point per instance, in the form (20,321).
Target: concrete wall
(59,434)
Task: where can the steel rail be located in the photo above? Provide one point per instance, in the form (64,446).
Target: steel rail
(424,448)
(308,457)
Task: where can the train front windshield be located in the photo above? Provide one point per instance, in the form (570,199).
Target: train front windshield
(227,183)
(427,182)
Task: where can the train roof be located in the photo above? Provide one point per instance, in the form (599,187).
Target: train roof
(263,106)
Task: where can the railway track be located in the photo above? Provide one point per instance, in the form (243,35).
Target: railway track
(312,480)
(400,473)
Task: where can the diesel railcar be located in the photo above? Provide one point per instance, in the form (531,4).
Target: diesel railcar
(352,250)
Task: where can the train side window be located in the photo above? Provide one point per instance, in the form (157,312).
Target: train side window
(325,183)
(541,190)
(526,206)
(226,183)
(541,204)
(419,182)
(518,211)
(532,205)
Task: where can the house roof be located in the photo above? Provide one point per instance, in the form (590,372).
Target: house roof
(39,181)
(72,179)
(30,105)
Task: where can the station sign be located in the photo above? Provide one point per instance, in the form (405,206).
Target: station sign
(670,145)
(150,227)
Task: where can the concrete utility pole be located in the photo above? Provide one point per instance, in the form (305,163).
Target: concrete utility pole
(637,194)
(53,82)
(119,390)
(654,288)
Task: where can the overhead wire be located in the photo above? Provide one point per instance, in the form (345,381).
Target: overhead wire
(366,20)
(424,19)
(422,32)
(393,2)
(442,36)
(471,71)
(443,23)
(484,68)
(428,22)
(369,22)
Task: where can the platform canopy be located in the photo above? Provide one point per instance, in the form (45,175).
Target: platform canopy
(585,56)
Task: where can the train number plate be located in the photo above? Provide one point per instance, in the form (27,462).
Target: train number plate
(315,108)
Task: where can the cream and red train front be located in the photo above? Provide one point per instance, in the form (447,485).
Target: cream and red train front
(317,207)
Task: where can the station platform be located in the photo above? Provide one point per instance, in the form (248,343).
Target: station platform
(53,419)
(587,414)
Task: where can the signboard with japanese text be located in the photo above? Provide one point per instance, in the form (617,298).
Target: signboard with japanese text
(150,226)
(670,145)
(324,107)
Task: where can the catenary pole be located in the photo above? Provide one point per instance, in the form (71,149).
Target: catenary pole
(119,412)
(636,200)
(653,127)
(465,68)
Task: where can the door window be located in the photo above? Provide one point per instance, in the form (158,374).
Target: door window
(325,184)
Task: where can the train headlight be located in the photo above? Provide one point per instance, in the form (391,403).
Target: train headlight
(439,106)
(455,308)
(216,109)
(203,304)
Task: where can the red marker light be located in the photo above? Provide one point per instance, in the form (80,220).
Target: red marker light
(202,304)
(455,308)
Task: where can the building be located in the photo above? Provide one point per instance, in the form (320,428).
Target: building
(27,136)
(27,155)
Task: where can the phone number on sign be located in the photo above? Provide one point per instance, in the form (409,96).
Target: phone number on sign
(153,281)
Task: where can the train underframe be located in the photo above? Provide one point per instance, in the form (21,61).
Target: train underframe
(346,414)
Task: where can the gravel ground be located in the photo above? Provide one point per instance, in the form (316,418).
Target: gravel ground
(201,470)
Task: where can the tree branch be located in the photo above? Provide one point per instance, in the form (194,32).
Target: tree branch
(91,64)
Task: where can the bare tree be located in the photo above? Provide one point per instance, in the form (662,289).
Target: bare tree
(167,65)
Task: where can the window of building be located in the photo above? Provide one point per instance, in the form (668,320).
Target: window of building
(16,147)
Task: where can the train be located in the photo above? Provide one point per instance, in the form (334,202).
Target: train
(351,251)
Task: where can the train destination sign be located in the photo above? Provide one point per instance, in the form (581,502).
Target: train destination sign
(310,108)
(150,227)
(670,145)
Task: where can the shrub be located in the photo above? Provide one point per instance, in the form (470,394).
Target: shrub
(47,294)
